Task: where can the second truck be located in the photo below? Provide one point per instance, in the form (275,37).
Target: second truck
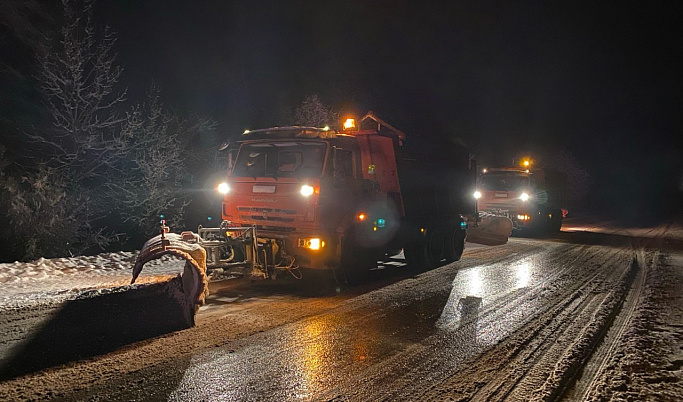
(530,197)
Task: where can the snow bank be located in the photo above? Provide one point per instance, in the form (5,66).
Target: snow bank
(50,280)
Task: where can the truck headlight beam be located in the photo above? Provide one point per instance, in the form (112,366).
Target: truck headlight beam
(224,188)
(306,190)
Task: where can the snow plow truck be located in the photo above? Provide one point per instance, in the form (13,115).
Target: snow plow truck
(530,197)
(298,199)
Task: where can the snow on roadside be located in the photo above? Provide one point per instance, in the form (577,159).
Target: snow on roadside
(574,357)
(57,279)
(670,231)
(649,364)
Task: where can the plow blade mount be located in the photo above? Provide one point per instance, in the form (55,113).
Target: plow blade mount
(191,288)
(491,231)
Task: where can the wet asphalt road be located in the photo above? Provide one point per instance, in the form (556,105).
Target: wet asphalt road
(376,340)
(402,336)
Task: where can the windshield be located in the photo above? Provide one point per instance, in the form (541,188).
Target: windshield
(280,159)
(504,181)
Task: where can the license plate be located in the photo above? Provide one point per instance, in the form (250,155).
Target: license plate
(501,195)
(263,189)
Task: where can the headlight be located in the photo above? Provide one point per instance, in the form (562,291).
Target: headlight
(224,188)
(524,197)
(477,194)
(306,190)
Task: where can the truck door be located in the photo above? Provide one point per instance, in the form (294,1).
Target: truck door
(344,189)
(379,165)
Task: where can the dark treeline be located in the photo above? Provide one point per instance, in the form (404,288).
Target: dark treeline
(84,168)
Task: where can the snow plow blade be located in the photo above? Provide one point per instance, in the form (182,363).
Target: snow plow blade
(191,288)
(491,231)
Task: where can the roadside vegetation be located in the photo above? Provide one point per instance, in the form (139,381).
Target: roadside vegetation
(85,168)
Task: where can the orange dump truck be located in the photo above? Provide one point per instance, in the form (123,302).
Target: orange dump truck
(315,198)
(531,198)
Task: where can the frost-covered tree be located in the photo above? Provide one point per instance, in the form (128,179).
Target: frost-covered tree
(151,175)
(96,166)
(313,113)
(79,78)
(95,170)
(49,217)
(55,196)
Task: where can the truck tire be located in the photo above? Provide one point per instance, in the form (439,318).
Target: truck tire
(414,254)
(354,266)
(455,244)
(435,249)
(428,254)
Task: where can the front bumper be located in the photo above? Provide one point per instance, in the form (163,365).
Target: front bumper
(302,248)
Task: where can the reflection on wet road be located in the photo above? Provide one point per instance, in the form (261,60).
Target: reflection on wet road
(419,329)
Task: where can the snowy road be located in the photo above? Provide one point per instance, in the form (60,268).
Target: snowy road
(582,316)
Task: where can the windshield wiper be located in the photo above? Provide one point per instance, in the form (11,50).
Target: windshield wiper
(270,174)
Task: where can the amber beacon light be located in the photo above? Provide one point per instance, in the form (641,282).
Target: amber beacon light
(349,124)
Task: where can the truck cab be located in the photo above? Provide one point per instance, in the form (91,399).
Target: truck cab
(310,191)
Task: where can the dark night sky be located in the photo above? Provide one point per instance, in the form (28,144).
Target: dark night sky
(599,81)
(532,72)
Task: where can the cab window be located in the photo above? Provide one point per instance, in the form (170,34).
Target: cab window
(343,164)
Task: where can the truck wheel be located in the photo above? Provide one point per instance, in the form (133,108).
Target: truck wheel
(435,249)
(455,244)
(354,266)
(414,254)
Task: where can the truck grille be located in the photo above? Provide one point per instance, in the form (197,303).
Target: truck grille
(266,218)
(279,229)
(267,210)
(497,205)
(267,214)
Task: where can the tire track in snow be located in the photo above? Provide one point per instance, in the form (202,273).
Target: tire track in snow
(548,340)
(498,371)
(596,365)
(574,359)
(390,380)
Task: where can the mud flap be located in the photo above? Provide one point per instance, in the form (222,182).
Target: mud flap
(191,288)
(491,231)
